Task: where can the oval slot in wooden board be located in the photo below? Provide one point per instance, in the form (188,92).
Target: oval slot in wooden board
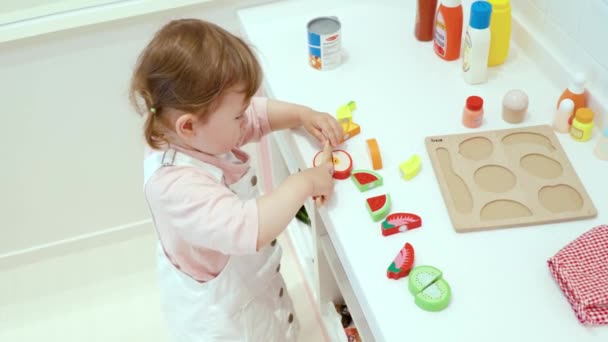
(374,153)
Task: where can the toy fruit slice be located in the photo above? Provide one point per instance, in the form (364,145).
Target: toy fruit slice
(400,222)
(349,130)
(410,168)
(374,153)
(402,265)
(344,114)
(421,277)
(435,297)
(343,163)
(379,206)
(366,180)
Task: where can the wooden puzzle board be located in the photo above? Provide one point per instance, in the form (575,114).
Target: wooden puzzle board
(507,178)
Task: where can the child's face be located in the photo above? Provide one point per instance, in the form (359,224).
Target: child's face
(223,128)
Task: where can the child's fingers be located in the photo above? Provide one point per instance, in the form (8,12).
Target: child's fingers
(329,131)
(319,135)
(330,167)
(338,131)
(319,201)
(328,157)
(327,150)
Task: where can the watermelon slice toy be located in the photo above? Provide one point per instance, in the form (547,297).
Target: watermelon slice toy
(400,222)
(366,179)
(379,206)
(431,292)
(402,265)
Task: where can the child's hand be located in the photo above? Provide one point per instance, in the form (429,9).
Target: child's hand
(323,127)
(322,176)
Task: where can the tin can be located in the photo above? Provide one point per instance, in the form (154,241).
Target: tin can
(324,43)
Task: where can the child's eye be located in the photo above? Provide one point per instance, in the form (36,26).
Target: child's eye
(239,117)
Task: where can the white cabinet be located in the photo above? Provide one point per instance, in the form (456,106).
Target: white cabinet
(310,243)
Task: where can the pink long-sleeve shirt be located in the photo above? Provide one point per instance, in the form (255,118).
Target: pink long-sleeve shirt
(199,220)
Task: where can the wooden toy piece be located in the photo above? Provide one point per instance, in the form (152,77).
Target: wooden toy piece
(436,297)
(350,130)
(344,113)
(431,292)
(366,179)
(345,117)
(379,206)
(402,265)
(343,163)
(400,222)
(507,178)
(421,277)
(410,168)
(374,153)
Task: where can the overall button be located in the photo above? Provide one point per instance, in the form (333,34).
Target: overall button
(278,267)
(281,292)
(274,242)
(254,180)
(290,318)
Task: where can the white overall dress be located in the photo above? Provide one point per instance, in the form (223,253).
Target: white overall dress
(247,301)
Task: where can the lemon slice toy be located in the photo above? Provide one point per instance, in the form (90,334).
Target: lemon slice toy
(410,168)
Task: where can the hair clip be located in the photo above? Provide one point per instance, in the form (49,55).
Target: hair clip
(152,110)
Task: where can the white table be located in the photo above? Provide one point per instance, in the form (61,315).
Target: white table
(502,289)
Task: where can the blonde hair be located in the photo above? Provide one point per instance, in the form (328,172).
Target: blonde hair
(188,66)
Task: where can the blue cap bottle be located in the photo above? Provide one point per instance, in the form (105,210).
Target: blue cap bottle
(481,12)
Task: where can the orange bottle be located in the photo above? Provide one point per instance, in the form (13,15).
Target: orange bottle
(472,115)
(577,93)
(448,30)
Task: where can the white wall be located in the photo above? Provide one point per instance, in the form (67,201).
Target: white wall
(72,148)
(575,30)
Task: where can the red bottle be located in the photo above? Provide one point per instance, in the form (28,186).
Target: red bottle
(448,30)
(425,20)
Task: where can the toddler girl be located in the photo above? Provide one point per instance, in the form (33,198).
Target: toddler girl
(218,261)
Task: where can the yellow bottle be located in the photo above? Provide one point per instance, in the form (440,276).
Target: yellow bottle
(582,124)
(500,28)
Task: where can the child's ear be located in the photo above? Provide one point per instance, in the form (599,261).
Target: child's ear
(184,125)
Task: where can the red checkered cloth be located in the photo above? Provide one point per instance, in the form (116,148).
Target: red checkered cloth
(581,270)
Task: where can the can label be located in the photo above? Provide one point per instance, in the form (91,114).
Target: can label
(324,43)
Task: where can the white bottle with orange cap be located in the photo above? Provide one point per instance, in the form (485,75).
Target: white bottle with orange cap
(577,93)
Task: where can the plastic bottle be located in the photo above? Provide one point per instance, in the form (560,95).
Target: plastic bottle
(477,44)
(562,115)
(425,18)
(447,35)
(472,115)
(514,106)
(500,26)
(601,149)
(575,92)
(582,124)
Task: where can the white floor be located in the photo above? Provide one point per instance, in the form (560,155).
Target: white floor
(105,294)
